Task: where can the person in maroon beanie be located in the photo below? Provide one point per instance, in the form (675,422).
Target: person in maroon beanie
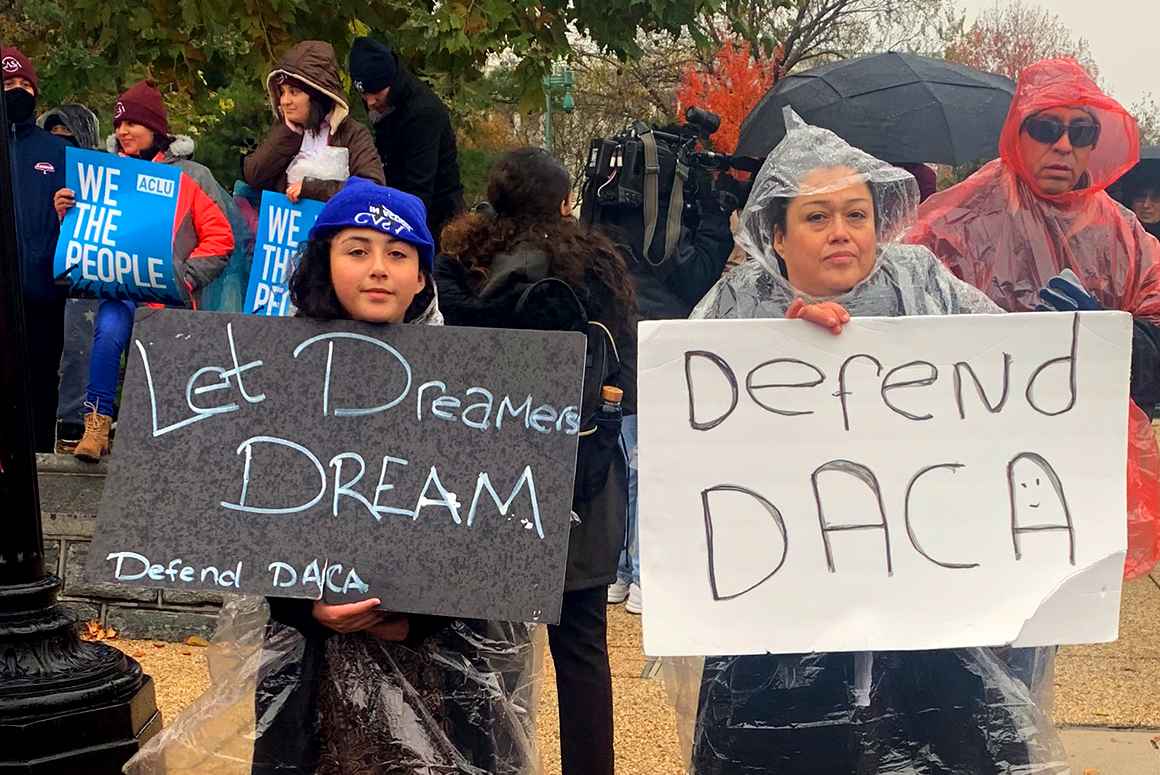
(202,228)
(37,172)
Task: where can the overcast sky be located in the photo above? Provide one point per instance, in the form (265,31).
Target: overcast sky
(1124,37)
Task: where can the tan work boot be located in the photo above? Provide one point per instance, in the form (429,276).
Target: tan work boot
(95,442)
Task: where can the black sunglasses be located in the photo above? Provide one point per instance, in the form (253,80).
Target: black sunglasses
(1082,134)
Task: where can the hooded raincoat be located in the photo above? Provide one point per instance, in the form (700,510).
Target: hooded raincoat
(78,120)
(288,696)
(943,712)
(312,62)
(998,232)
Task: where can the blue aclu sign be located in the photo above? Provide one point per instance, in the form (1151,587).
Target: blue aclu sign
(117,242)
(282,225)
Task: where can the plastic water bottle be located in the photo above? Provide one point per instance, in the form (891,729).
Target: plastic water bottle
(610,398)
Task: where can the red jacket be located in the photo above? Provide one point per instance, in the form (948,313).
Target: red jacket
(202,238)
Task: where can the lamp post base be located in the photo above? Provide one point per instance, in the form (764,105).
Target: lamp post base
(66,705)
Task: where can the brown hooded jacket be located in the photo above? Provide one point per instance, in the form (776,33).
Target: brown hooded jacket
(313,63)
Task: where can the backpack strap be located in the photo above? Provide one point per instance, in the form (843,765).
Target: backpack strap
(527,294)
(598,330)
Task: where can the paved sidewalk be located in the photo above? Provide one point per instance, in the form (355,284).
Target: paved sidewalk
(1096,751)
(1116,684)
(1107,697)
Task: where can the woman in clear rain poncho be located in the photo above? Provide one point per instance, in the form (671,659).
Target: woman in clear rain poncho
(819,226)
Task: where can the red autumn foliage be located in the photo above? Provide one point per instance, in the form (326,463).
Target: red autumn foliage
(730,89)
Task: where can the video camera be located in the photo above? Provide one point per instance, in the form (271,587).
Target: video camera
(651,181)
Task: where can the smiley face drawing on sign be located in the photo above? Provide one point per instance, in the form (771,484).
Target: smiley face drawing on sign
(1038,503)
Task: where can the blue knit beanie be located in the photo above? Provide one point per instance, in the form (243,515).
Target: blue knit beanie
(364,204)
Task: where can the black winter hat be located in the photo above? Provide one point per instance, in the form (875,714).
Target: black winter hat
(372,66)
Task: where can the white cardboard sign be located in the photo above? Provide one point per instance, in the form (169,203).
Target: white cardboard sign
(914,483)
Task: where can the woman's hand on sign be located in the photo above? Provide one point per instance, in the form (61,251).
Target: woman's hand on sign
(827,314)
(63,200)
(392,628)
(294,192)
(348,617)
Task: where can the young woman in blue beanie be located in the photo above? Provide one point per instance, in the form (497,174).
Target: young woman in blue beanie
(350,688)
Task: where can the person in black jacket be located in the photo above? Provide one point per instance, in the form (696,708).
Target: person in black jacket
(78,126)
(37,173)
(667,288)
(412,131)
(490,261)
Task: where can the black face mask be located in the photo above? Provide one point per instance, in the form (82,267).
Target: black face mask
(19,105)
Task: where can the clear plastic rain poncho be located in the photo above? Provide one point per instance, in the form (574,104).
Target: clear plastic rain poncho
(978,711)
(906,280)
(457,700)
(997,232)
(288,696)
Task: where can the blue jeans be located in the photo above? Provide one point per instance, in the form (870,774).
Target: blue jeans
(629,569)
(111,331)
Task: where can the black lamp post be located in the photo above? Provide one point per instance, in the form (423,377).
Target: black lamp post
(66,706)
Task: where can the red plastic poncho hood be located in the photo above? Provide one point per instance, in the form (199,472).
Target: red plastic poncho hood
(1056,83)
(998,233)
(995,231)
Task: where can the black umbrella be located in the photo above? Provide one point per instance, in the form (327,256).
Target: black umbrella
(901,108)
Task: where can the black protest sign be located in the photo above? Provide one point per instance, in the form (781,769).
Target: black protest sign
(430,467)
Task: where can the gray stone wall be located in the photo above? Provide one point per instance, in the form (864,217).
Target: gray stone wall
(70,493)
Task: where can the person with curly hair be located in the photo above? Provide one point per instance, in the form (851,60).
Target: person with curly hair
(491,259)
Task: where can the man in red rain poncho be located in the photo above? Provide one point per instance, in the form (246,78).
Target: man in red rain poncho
(1035,230)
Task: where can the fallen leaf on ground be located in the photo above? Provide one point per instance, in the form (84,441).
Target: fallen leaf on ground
(196,640)
(94,631)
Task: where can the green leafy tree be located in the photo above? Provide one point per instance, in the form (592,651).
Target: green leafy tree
(210,56)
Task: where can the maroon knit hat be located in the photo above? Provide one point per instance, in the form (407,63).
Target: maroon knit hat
(142,104)
(16,65)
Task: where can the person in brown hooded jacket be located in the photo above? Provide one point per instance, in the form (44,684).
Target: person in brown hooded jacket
(297,156)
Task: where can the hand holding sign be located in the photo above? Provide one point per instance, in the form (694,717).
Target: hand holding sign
(828,314)
(348,617)
(63,201)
